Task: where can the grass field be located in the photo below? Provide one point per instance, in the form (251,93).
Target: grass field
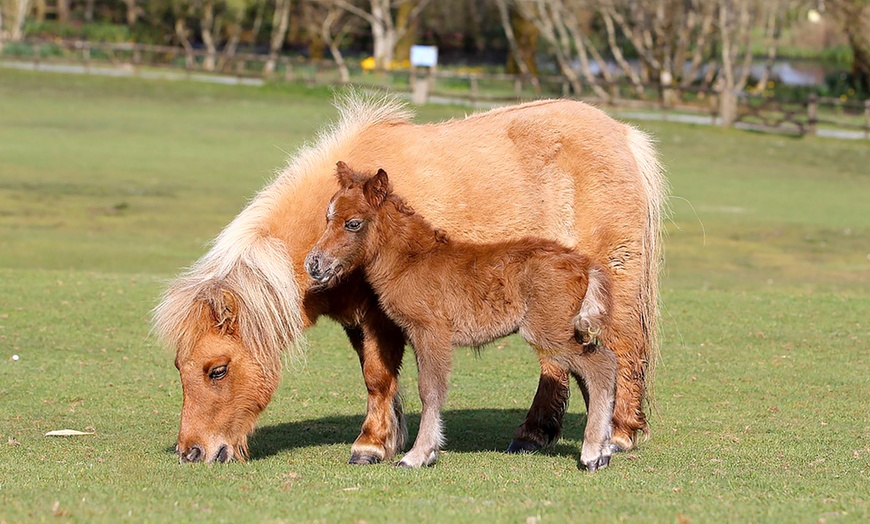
(109,186)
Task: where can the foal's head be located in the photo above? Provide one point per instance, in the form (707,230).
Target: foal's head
(345,244)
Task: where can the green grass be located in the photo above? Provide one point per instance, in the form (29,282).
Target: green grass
(109,186)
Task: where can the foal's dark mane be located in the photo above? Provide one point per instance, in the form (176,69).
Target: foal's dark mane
(413,235)
(410,233)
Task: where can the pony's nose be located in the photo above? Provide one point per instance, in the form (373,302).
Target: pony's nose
(194,454)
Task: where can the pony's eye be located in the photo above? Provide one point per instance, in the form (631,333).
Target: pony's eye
(354,224)
(217,372)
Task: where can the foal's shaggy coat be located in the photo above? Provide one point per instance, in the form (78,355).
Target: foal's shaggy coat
(445,293)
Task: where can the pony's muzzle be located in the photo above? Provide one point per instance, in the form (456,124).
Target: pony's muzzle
(197,453)
(194,454)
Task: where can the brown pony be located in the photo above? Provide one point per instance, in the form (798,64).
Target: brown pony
(443,294)
(521,171)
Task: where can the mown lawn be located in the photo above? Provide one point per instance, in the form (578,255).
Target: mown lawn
(109,186)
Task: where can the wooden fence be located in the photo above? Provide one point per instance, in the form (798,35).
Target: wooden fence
(812,115)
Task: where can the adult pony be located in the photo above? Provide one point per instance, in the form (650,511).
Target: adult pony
(444,294)
(556,169)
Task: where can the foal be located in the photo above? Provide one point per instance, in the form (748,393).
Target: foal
(446,294)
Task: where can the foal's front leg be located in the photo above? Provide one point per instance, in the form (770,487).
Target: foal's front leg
(433,370)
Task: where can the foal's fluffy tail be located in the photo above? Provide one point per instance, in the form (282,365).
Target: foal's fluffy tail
(590,321)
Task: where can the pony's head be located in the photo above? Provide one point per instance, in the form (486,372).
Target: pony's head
(345,244)
(224,389)
(229,325)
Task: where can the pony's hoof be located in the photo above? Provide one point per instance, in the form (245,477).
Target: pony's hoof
(522,446)
(616,448)
(363,459)
(621,441)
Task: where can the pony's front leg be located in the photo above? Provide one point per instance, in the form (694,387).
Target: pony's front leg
(380,345)
(433,370)
(543,423)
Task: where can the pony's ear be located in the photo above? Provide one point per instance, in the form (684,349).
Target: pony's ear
(344,174)
(226,312)
(377,188)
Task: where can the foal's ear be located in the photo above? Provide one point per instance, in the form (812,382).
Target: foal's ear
(225,312)
(377,188)
(344,174)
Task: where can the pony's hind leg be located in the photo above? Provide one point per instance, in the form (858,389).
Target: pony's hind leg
(379,344)
(595,371)
(543,423)
(433,365)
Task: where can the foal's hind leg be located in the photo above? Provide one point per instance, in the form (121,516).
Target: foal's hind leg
(433,365)
(379,344)
(543,423)
(595,370)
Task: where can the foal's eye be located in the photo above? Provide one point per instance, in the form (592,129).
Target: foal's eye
(217,372)
(353,224)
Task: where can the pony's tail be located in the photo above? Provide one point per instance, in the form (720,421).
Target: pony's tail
(590,322)
(653,181)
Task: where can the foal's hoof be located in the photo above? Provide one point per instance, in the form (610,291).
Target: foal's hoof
(522,446)
(598,463)
(415,460)
(363,459)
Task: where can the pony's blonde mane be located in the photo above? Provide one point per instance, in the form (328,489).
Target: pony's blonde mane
(254,268)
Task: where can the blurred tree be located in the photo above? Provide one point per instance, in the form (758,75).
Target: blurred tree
(313,16)
(522,36)
(132,12)
(280,22)
(854,18)
(563,26)
(63,11)
(331,24)
(735,25)
(386,30)
(13,13)
(774,13)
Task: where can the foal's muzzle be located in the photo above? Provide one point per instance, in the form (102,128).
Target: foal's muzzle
(319,268)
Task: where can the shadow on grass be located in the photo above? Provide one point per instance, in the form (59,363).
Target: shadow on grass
(466,430)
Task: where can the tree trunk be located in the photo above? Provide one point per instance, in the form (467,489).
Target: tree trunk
(207,23)
(522,36)
(734,28)
(181,33)
(279,30)
(132,13)
(63,11)
(89,10)
(854,17)
(258,22)
(404,43)
(234,30)
(22,8)
(334,42)
(383,34)
(727,106)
